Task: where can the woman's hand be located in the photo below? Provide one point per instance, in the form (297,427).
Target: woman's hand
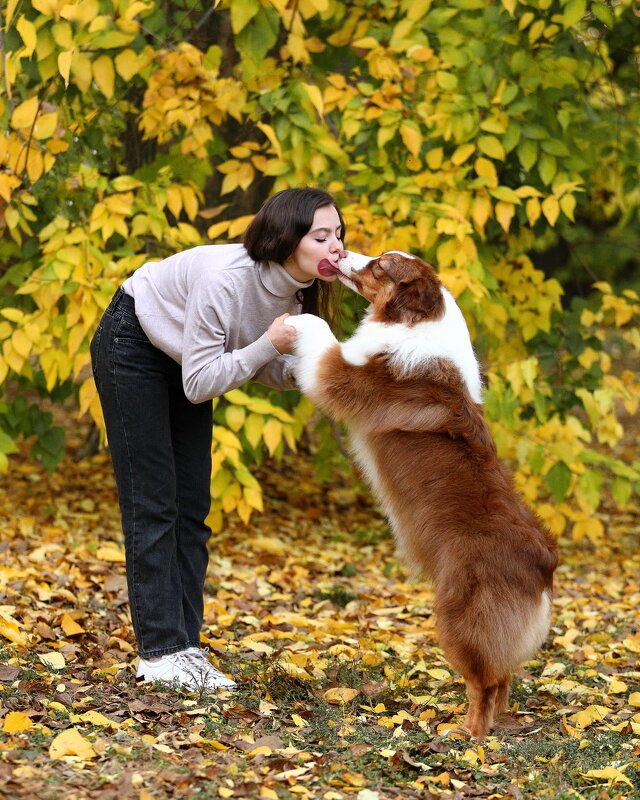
(282,336)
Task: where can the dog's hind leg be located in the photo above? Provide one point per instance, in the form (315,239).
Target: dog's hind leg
(482,703)
(502,698)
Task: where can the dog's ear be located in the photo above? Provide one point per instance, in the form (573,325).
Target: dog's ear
(401,269)
(417,295)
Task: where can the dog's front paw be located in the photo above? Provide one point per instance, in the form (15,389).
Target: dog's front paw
(313,335)
(308,323)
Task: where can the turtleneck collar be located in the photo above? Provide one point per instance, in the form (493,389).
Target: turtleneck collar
(277,280)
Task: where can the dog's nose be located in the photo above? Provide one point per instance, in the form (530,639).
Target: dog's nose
(353,262)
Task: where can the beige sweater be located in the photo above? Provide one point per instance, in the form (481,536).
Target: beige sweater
(209,309)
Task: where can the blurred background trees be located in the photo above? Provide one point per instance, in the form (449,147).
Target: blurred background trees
(499,140)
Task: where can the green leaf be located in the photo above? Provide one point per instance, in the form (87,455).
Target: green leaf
(527,153)
(547,167)
(590,483)
(574,11)
(603,13)
(242,12)
(7,445)
(558,480)
(259,35)
(621,489)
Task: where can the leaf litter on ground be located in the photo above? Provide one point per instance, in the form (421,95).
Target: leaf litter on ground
(343,691)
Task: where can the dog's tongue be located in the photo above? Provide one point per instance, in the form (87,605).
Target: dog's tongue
(326,268)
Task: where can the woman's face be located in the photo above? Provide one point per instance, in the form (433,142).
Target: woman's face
(319,250)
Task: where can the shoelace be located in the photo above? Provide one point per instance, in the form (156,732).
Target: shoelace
(198,660)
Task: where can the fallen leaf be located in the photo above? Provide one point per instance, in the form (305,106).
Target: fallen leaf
(53,660)
(589,715)
(269,544)
(95,718)
(340,695)
(608,774)
(70,626)
(16,722)
(12,632)
(110,553)
(71,743)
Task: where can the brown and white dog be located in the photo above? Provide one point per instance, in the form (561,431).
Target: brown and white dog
(408,386)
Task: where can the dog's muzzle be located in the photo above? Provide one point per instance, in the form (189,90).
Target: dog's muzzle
(354,262)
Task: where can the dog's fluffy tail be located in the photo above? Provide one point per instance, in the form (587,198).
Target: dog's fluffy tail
(486,637)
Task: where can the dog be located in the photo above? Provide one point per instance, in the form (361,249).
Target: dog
(408,386)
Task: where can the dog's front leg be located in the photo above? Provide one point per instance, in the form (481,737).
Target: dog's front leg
(314,338)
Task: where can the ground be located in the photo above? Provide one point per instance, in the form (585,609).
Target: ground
(343,692)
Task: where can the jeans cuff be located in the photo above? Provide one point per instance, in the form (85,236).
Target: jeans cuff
(165,651)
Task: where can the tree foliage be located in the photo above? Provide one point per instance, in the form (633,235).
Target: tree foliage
(478,135)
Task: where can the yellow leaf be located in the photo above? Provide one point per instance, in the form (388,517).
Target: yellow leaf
(8,14)
(64,65)
(271,136)
(298,721)
(12,632)
(29,35)
(25,114)
(486,169)
(315,95)
(272,435)
(462,153)
(53,660)
(46,125)
(70,626)
(235,417)
(481,209)
(610,774)
(111,553)
(568,204)
(634,699)
(21,343)
(253,427)
(434,158)
(237,397)
(240,224)
(504,214)
(71,743)
(253,498)
(551,209)
(81,70)
(230,497)
(411,138)
(16,722)
(340,695)
(589,715)
(532,209)
(492,147)
(269,544)
(226,437)
(174,200)
(104,75)
(95,718)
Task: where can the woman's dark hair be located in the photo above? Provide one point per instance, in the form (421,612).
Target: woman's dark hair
(275,231)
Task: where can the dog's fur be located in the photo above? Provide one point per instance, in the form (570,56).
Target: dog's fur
(408,386)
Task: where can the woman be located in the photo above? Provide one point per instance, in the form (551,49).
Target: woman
(177,333)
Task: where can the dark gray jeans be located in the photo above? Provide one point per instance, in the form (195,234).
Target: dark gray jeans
(160,446)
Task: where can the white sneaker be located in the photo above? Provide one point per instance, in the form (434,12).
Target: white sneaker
(190,669)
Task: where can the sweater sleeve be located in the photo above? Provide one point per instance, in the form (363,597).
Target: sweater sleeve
(279,373)
(207,369)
